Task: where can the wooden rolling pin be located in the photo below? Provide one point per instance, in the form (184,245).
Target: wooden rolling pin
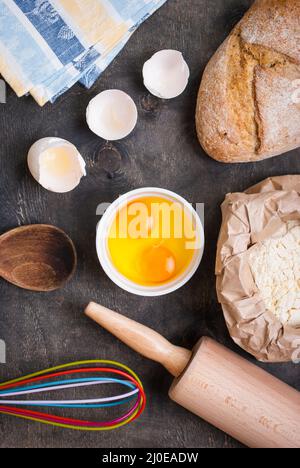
(216,384)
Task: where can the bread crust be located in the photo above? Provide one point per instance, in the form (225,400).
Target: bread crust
(248,108)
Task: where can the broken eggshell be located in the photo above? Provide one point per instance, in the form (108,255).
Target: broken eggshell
(56,164)
(112,115)
(166,74)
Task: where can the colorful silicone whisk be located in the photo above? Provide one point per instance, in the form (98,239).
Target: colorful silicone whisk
(72,376)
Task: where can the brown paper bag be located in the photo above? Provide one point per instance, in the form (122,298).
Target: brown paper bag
(249,218)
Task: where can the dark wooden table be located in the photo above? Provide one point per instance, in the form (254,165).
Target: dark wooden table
(41,330)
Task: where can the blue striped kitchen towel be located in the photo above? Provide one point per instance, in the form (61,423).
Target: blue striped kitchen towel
(46,46)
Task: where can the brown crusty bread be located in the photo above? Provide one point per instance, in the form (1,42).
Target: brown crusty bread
(248,105)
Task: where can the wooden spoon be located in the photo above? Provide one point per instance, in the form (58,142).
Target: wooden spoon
(37,257)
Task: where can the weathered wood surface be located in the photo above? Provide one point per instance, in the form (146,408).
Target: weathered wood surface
(47,329)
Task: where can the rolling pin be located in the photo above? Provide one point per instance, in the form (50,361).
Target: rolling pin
(216,384)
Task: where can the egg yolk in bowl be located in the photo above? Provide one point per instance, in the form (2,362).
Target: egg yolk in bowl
(152,240)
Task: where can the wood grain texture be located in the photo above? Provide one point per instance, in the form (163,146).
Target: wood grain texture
(47,329)
(217,384)
(239,398)
(143,340)
(37,257)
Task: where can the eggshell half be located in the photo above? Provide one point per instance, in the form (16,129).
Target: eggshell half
(166,74)
(56,164)
(112,115)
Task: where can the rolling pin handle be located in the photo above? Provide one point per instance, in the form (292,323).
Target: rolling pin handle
(142,339)
(218,385)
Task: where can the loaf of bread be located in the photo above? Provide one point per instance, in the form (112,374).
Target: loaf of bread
(248,106)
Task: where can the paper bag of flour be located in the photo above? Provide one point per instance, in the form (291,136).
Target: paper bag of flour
(258,268)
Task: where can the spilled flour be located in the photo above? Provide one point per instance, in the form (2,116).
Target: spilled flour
(275,265)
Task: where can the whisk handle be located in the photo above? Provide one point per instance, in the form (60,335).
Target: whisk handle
(142,339)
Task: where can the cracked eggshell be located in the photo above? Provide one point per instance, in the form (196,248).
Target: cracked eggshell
(56,164)
(166,74)
(112,115)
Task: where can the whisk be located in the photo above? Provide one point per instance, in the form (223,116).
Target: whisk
(70,376)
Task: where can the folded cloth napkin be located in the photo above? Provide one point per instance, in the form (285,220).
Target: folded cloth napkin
(48,46)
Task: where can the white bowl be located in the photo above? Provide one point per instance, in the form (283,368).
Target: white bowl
(104,226)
